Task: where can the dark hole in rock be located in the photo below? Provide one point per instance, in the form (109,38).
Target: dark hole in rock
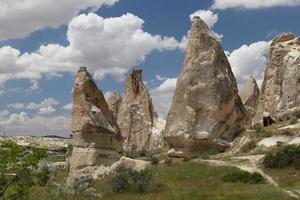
(268,121)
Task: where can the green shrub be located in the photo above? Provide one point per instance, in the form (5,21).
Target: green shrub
(285,156)
(154,160)
(142,153)
(127,180)
(244,177)
(168,161)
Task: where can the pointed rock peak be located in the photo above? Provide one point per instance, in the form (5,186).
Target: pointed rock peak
(90,109)
(136,80)
(198,26)
(114,96)
(250,93)
(283,38)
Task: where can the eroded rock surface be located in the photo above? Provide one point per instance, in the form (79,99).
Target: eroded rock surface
(96,136)
(114,101)
(206,112)
(138,122)
(250,96)
(281,85)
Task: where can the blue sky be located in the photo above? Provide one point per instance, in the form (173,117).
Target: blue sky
(36,82)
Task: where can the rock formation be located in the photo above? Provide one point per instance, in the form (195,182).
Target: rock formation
(114,101)
(137,119)
(96,136)
(250,96)
(206,112)
(281,85)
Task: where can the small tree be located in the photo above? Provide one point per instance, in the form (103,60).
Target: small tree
(16,170)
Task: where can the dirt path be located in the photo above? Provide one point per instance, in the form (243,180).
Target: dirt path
(250,164)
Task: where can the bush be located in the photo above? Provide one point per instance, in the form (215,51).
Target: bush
(244,177)
(168,161)
(154,160)
(285,156)
(142,153)
(127,180)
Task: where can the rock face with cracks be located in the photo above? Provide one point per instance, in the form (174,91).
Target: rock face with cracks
(250,96)
(280,89)
(206,112)
(114,101)
(139,124)
(96,137)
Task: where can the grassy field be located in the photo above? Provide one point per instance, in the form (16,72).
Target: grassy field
(182,181)
(287,178)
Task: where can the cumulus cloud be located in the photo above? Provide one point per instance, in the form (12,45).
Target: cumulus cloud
(44,107)
(107,46)
(68,106)
(16,105)
(18,18)
(162,96)
(249,60)
(22,124)
(253,4)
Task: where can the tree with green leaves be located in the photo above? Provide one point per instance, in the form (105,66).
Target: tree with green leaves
(17,165)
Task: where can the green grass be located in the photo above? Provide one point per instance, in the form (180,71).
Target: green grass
(188,181)
(288,177)
(183,181)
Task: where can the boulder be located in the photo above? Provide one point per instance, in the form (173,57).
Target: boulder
(250,96)
(96,137)
(138,122)
(280,98)
(206,112)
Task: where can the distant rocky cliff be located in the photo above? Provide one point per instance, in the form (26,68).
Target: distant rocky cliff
(280,91)
(206,112)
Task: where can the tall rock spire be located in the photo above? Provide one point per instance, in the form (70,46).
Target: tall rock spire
(281,84)
(136,118)
(206,111)
(250,96)
(96,137)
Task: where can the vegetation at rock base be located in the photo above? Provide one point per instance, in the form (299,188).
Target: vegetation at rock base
(288,155)
(128,180)
(17,171)
(238,175)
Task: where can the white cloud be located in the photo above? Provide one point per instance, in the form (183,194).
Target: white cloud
(162,96)
(44,107)
(107,46)
(16,105)
(18,18)
(34,85)
(68,106)
(22,124)
(46,110)
(1,92)
(249,60)
(160,78)
(252,4)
